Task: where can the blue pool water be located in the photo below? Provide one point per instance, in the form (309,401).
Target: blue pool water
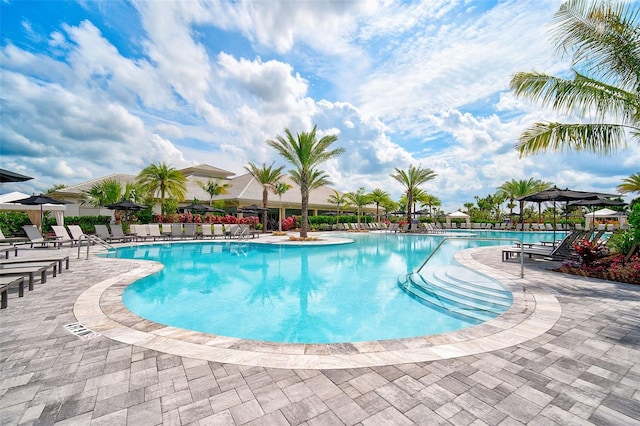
(279,293)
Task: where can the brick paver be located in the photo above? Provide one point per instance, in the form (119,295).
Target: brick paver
(584,370)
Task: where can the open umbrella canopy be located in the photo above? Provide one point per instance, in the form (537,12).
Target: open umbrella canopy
(40,200)
(35,200)
(566,195)
(253,208)
(557,194)
(201,208)
(596,202)
(126,205)
(9,176)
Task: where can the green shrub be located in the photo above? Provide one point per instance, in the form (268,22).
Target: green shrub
(11,222)
(620,242)
(87,223)
(634,221)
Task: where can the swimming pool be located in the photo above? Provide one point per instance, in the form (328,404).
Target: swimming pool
(278,293)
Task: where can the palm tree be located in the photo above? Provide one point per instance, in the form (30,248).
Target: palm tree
(279,188)
(55,188)
(603,39)
(419,198)
(630,184)
(339,200)
(306,153)
(431,201)
(111,191)
(213,188)
(267,176)
(411,179)
(380,197)
(515,189)
(359,199)
(468,206)
(159,177)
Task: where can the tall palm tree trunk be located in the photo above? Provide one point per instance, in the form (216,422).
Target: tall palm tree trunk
(304,226)
(265,201)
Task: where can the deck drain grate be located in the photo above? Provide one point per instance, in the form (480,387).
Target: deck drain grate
(81,331)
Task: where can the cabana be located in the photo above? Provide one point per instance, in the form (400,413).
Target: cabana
(458,215)
(34,211)
(604,214)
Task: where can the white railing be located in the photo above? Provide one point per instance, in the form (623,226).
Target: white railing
(444,240)
(93,239)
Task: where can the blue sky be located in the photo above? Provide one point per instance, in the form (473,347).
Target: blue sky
(91,88)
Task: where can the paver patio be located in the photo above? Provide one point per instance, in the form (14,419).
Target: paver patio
(585,369)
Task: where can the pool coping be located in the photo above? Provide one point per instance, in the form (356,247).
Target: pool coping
(533,312)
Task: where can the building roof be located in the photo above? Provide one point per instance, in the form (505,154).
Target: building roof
(244,189)
(207,171)
(78,189)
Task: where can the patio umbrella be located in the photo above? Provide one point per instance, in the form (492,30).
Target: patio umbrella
(596,202)
(253,208)
(557,194)
(202,208)
(9,176)
(126,206)
(40,200)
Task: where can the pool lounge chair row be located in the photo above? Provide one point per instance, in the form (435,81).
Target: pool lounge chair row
(182,231)
(13,273)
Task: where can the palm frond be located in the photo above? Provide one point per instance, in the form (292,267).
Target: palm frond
(630,184)
(602,37)
(581,95)
(558,137)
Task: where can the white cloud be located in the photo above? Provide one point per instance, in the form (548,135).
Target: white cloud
(63,135)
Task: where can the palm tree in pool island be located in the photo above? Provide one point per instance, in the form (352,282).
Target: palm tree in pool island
(411,179)
(165,180)
(306,152)
(267,176)
(603,40)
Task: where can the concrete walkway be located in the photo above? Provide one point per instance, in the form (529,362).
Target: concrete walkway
(584,369)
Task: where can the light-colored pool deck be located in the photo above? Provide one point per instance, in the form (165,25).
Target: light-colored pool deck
(566,352)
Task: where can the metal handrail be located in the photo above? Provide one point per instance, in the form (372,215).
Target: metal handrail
(517,241)
(93,239)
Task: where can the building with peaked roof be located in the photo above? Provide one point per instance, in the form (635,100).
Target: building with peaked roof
(243,191)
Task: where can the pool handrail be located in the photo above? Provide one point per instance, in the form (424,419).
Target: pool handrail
(95,240)
(517,241)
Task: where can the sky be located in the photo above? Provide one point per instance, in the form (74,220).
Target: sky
(90,88)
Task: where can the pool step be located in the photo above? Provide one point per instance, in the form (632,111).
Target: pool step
(478,298)
(466,281)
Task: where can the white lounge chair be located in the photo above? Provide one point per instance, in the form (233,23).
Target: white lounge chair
(218,230)
(153,229)
(76,232)
(63,235)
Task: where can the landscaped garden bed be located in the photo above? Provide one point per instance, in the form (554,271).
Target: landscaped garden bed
(611,268)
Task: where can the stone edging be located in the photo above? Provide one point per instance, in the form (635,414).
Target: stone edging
(534,311)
